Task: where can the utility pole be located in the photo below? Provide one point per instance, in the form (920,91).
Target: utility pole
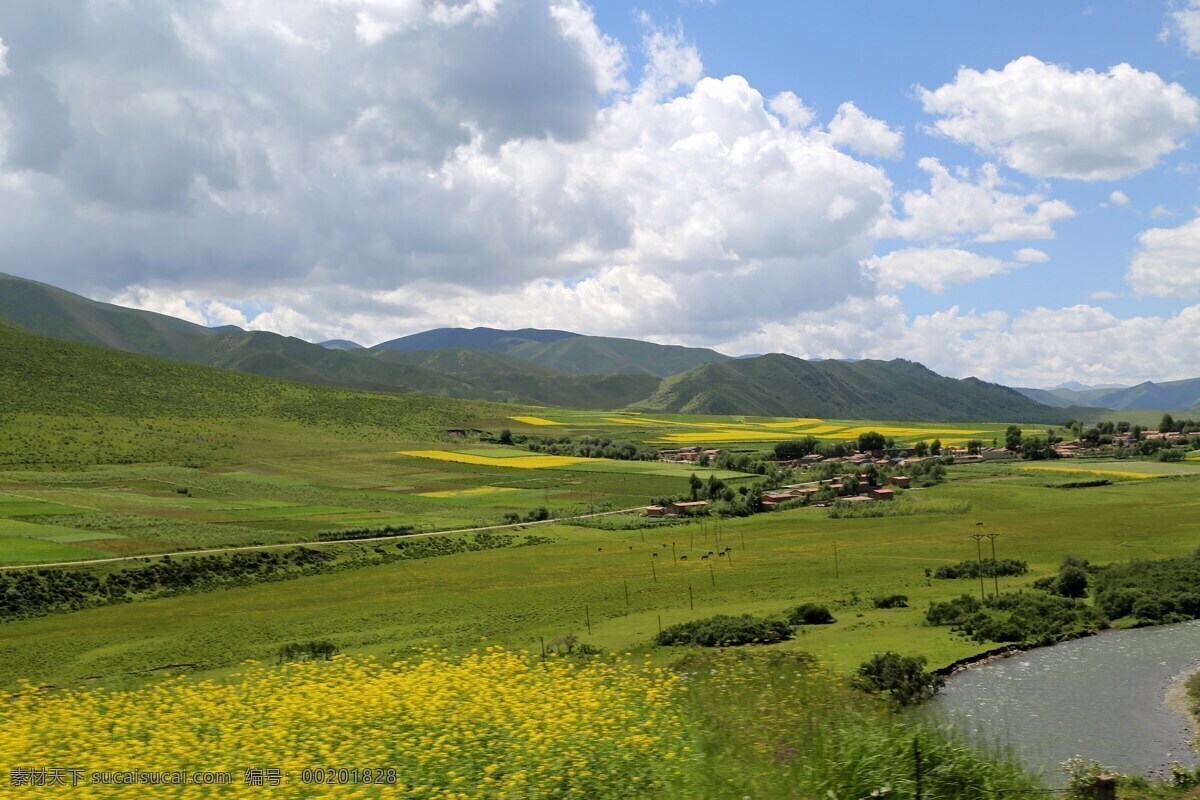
(979,556)
(674,560)
(653,570)
(995,564)
(588,616)
(691,598)
(712,573)
(626,582)
(835,561)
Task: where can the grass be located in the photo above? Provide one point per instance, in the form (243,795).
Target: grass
(518,597)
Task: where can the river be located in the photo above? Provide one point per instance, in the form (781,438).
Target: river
(1101,697)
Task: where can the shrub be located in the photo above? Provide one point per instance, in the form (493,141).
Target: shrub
(891,601)
(723,630)
(971,569)
(810,614)
(903,678)
(1072,581)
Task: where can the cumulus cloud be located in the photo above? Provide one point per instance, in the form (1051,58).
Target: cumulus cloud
(3,58)
(1048,121)
(934,268)
(272,164)
(1118,198)
(1040,347)
(865,135)
(957,207)
(1184,23)
(1031,255)
(1167,261)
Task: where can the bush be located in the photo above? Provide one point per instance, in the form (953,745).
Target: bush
(971,569)
(725,631)
(1072,581)
(810,614)
(892,601)
(903,678)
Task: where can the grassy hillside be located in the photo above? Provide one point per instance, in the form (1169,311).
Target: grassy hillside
(567,352)
(47,386)
(780,385)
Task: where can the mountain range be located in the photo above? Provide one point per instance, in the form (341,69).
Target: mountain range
(1179,396)
(542,367)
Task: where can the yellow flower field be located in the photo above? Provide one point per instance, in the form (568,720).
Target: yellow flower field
(494,724)
(478,490)
(518,462)
(535,421)
(1116,472)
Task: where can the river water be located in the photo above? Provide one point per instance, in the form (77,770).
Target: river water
(1101,697)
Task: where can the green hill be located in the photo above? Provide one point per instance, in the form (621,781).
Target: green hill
(538,367)
(65,402)
(780,385)
(567,352)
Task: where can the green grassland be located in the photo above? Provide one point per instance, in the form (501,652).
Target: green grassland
(737,431)
(520,597)
(109,454)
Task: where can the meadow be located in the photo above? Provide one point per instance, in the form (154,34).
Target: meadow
(613,588)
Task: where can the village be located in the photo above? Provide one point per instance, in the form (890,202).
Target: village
(883,468)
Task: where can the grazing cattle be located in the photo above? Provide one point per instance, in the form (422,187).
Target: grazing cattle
(711,553)
(683,558)
(654,555)
(630,547)
(702,558)
(599,549)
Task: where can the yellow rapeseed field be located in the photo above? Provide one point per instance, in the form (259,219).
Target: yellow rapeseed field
(478,490)
(518,462)
(1116,472)
(535,421)
(494,724)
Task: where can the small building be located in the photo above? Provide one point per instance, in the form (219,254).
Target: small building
(688,507)
(655,511)
(881,494)
(901,481)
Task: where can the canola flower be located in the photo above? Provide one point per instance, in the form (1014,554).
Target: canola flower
(493,724)
(519,462)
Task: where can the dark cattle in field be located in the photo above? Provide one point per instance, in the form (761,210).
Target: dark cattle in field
(683,558)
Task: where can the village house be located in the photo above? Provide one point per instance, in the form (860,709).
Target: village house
(900,481)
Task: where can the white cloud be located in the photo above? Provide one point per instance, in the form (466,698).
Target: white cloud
(671,62)
(934,267)
(1185,24)
(865,135)
(1031,255)
(447,182)
(1040,347)
(1118,198)
(1048,121)
(792,110)
(957,208)
(1104,294)
(1167,261)
(3,58)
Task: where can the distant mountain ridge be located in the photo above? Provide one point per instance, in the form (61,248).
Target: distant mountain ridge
(781,385)
(1182,395)
(540,367)
(562,350)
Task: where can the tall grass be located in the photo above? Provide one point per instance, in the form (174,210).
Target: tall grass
(776,725)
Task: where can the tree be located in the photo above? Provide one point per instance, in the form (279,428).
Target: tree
(506,436)
(902,677)
(935,448)
(695,484)
(1072,581)
(871,440)
(702,459)
(796,448)
(1012,438)
(1167,424)
(974,446)
(921,448)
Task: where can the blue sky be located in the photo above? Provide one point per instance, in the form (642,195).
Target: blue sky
(1002,192)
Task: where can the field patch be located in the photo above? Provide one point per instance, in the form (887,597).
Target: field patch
(1092,471)
(15,506)
(522,462)
(536,421)
(478,490)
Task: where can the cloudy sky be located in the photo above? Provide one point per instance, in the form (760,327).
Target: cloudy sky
(1009,194)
